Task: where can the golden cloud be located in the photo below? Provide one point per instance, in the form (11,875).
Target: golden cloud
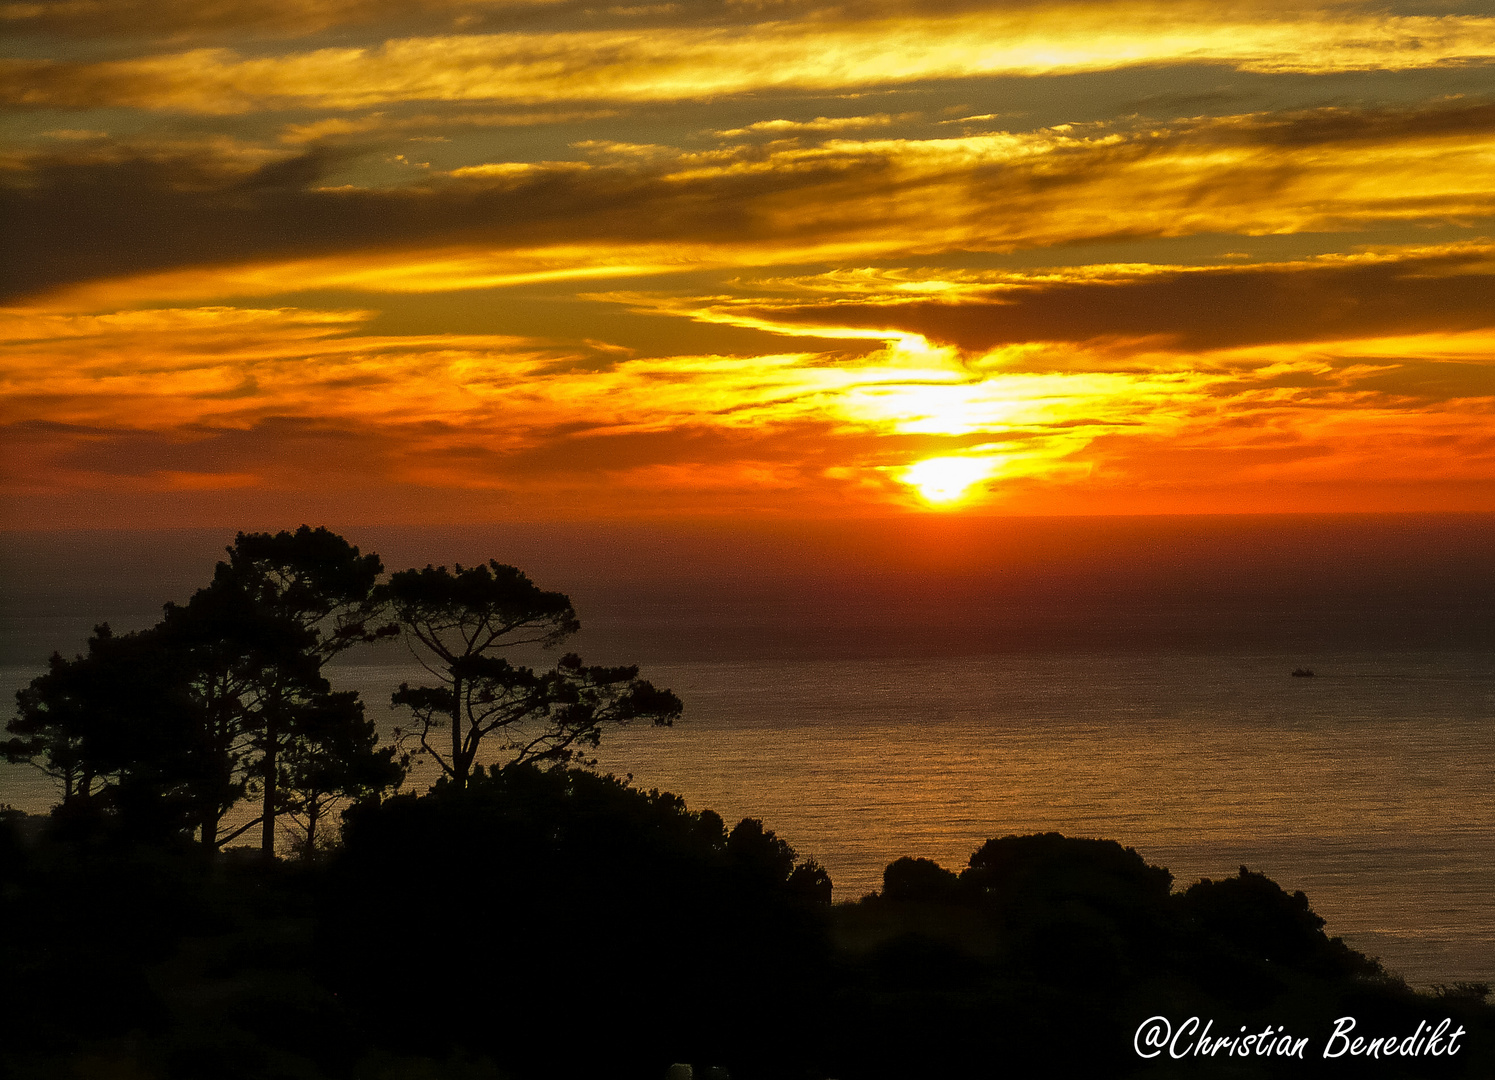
(679,63)
(633,209)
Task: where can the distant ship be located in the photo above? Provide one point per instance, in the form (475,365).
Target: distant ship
(1303,673)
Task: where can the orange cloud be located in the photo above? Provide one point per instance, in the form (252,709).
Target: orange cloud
(294,399)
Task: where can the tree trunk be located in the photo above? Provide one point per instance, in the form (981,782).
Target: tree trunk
(267,827)
(459,767)
(272,746)
(313,811)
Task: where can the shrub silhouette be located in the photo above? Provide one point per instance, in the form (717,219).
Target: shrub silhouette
(1069,905)
(592,916)
(916,880)
(561,924)
(1255,919)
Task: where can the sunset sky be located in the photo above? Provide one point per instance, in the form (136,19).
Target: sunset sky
(459,261)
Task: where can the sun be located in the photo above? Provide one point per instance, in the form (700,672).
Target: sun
(945,481)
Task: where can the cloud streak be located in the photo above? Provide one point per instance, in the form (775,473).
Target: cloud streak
(629,209)
(670,64)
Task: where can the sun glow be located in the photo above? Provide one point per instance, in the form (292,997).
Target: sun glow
(947,481)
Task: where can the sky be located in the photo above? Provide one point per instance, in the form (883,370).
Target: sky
(461,261)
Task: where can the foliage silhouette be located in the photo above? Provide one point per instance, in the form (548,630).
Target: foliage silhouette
(168,729)
(117,729)
(456,622)
(333,756)
(69,720)
(313,746)
(1063,945)
(1252,917)
(575,887)
(1088,906)
(607,931)
(918,880)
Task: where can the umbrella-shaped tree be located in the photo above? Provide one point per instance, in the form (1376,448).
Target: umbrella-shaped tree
(458,623)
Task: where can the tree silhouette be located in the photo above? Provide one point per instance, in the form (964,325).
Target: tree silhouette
(314,581)
(768,859)
(456,623)
(918,880)
(223,698)
(335,756)
(227,655)
(170,729)
(110,727)
(1253,918)
(55,719)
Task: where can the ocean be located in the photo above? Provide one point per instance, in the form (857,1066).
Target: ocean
(866,704)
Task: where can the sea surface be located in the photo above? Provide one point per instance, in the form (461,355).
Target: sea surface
(1168,721)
